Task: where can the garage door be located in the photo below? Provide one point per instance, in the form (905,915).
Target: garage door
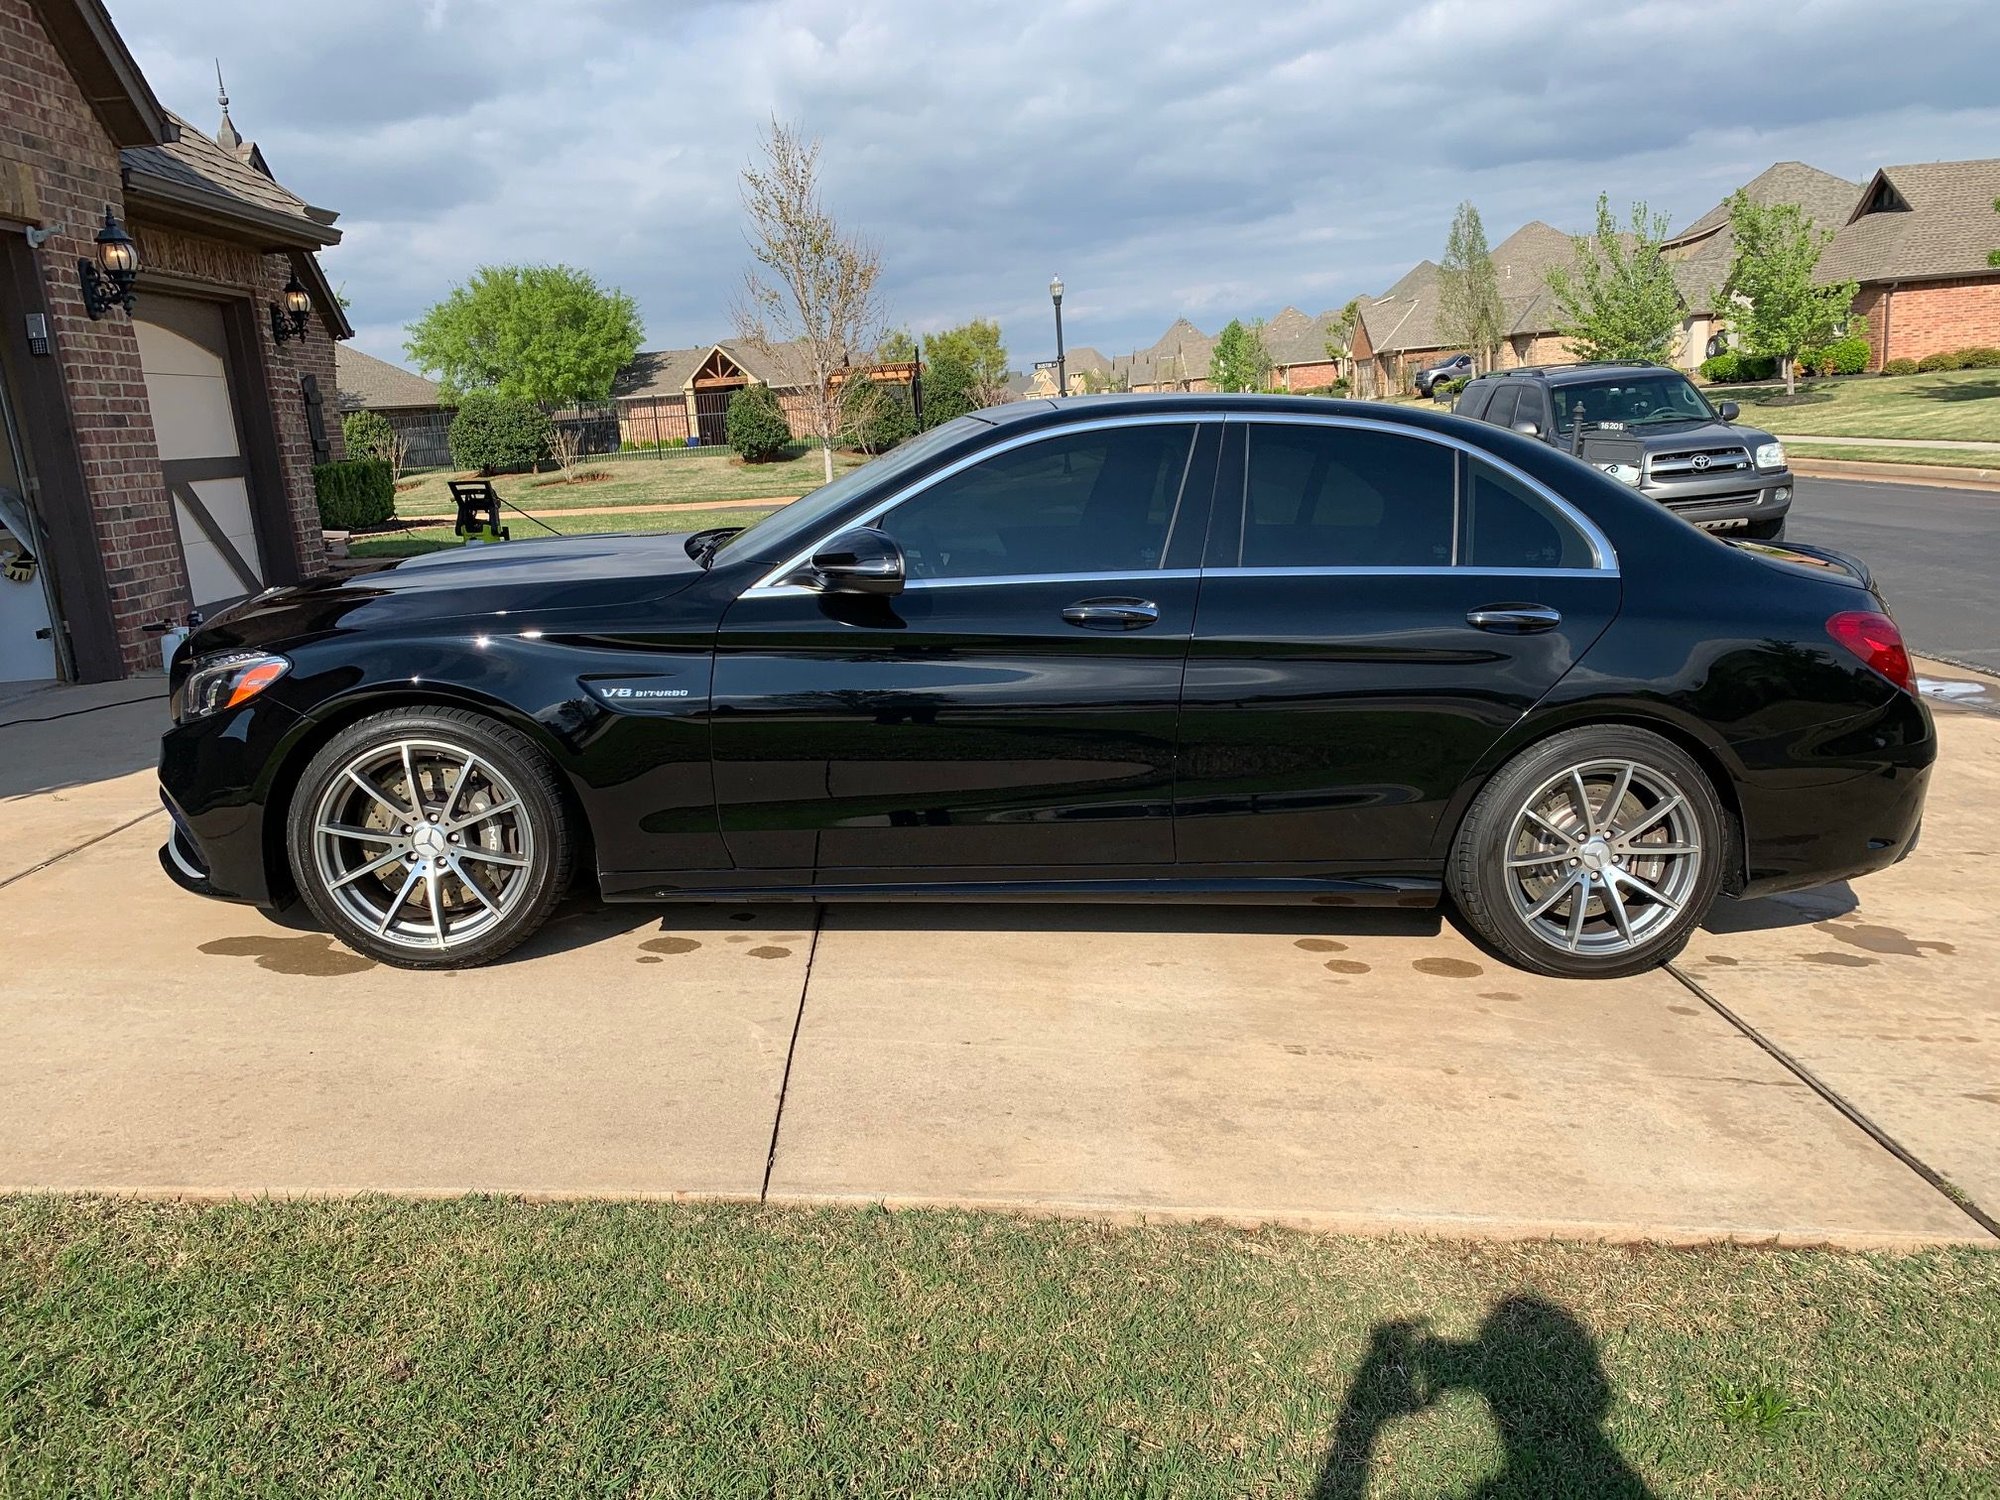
(183,352)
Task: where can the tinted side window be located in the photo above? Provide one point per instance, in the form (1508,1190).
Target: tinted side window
(1345,497)
(1507,525)
(1504,404)
(1083,502)
(1472,401)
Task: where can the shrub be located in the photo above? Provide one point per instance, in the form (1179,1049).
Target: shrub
(492,433)
(1931,363)
(1979,358)
(354,494)
(1900,367)
(756,425)
(1450,387)
(882,417)
(1849,356)
(1719,369)
(368,434)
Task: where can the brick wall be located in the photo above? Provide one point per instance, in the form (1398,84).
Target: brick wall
(46,123)
(1930,317)
(1306,377)
(1533,349)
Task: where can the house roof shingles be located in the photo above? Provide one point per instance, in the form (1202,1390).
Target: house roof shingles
(194,167)
(1947,230)
(371,384)
(1827,200)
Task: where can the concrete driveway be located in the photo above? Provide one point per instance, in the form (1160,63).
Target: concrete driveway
(1340,1070)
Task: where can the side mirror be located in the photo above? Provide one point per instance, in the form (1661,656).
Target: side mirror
(1528,427)
(861,561)
(1727,411)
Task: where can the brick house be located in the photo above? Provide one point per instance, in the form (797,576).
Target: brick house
(409,403)
(1917,241)
(161,460)
(1701,253)
(669,396)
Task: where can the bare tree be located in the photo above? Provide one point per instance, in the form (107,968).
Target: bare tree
(566,448)
(813,288)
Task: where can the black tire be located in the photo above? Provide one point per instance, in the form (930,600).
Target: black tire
(1602,871)
(1766,531)
(509,840)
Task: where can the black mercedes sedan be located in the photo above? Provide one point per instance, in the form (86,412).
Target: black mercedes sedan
(1228,648)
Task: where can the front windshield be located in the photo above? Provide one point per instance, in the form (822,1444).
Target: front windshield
(783,527)
(1655,397)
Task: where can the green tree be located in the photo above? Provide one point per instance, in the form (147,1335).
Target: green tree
(1340,334)
(1469,313)
(491,432)
(1239,361)
(1777,310)
(1619,301)
(755,424)
(967,365)
(546,334)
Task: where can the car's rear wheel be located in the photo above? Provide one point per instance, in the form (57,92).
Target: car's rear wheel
(1593,854)
(430,838)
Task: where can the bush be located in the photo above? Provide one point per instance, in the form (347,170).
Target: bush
(1731,366)
(1979,358)
(1718,369)
(1848,356)
(354,494)
(492,433)
(1931,363)
(368,434)
(1450,387)
(882,417)
(756,425)
(1900,367)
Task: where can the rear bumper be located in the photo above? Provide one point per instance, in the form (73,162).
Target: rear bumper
(1729,502)
(1800,836)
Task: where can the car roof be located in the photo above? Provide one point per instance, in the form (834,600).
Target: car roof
(1589,369)
(1048,411)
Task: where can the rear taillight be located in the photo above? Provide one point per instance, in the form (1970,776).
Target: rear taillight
(1875,639)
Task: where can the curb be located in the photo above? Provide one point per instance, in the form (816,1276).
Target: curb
(1943,476)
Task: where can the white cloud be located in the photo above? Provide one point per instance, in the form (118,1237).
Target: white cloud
(1177,157)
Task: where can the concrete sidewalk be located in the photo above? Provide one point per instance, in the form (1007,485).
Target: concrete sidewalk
(1342,1070)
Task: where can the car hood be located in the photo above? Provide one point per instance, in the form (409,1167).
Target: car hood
(1672,437)
(514,579)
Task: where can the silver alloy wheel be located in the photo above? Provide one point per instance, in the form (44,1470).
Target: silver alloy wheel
(1603,856)
(424,843)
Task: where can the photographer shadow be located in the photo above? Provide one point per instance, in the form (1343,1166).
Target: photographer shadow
(1537,1368)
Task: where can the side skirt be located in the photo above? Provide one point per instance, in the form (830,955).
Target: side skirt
(795,885)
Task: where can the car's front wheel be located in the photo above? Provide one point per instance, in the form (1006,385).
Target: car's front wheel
(430,838)
(1593,854)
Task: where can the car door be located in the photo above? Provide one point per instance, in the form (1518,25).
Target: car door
(1013,709)
(1379,605)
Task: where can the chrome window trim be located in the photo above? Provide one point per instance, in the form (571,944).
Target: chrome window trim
(1603,554)
(1040,435)
(1139,575)
(1412,570)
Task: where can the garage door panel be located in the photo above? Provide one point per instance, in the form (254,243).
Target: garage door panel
(192,416)
(162,351)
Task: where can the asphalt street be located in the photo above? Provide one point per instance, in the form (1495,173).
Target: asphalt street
(1935,554)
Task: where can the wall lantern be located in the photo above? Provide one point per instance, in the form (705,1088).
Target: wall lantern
(289,321)
(107,281)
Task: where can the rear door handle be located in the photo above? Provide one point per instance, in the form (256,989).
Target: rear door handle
(1113,614)
(1514,619)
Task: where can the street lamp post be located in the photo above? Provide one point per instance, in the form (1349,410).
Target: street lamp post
(1062,370)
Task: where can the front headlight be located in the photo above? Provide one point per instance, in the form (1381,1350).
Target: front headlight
(1623,473)
(216,683)
(1770,455)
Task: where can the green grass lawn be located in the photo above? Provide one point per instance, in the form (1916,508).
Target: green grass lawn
(1957,458)
(634,479)
(490,1347)
(420,539)
(1953,404)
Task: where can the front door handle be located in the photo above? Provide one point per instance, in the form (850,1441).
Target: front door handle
(1113,614)
(1514,619)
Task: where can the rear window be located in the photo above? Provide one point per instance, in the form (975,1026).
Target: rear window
(1505,399)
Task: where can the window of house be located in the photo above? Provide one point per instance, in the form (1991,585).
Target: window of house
(1322,496)
(1100,501)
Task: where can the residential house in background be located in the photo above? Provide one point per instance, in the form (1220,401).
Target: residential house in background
(1917,241)
(666,397)
(410,403)
(1702,252)
(160,460)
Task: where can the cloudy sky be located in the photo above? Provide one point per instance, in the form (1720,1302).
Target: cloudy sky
(1212,158)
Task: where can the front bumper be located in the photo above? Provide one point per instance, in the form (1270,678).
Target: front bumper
(1728,503)
(216,780)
